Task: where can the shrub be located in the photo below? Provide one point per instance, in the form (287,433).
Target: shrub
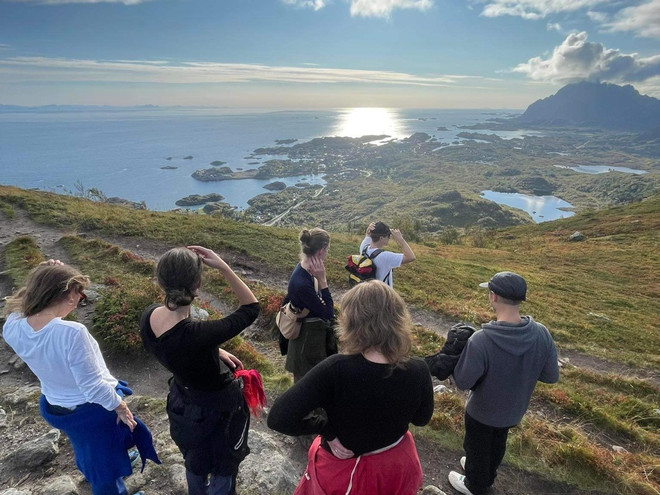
(117,315)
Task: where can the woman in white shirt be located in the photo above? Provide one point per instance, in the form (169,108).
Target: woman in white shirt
(75,381)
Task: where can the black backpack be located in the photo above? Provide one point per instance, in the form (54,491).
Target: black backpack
(361,267)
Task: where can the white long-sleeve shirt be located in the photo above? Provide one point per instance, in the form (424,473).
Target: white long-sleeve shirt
(66,359)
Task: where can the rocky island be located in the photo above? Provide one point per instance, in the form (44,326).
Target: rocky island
(196,199)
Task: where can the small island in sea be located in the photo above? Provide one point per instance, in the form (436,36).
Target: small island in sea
(168,167)
(285,141)
(196,199)
(275,186)
(217,163)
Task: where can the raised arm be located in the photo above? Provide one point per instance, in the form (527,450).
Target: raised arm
(210,258)
(408,254)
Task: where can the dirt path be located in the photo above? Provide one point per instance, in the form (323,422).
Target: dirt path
(149,378)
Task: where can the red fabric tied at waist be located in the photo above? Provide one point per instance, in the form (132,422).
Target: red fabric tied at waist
(396,471)
(253,390)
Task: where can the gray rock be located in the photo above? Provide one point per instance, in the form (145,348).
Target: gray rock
(63,485)
(15,491)
(35,452)
(432,490)
(198,313)
(577,236)
(3,418)
(28,393)
(92,296)
(268,469)
(178,483)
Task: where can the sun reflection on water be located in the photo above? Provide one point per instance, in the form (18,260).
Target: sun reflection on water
(357,122)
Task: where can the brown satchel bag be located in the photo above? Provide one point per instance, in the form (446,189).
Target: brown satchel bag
(289,318)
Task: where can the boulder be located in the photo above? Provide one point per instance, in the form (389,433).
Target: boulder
(15,491)
(28,393)
(34,453)
(268,469)
(62,485)
(577,236)
(432,490)
(178,483)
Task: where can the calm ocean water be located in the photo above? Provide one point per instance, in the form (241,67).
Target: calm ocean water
(122,152)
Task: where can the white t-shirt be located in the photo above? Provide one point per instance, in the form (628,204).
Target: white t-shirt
(66,359)
(385,262)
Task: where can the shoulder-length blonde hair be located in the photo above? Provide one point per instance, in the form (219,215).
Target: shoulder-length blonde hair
(374,316)
(45,286)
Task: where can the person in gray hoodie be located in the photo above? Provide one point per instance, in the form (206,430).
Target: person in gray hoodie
(500,365)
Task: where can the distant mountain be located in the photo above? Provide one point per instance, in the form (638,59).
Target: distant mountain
(601,105)
(72,108)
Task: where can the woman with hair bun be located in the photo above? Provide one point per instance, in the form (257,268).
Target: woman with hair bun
(209,418)
(370,393)
(79,395)
(308,289)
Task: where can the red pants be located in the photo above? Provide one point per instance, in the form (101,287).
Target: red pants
(396,471)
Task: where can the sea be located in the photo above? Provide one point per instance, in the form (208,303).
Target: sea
(122,152)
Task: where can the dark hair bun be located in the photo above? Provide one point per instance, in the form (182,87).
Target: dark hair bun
(178,297)
(305,236)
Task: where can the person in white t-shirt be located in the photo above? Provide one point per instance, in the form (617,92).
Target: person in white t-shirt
(377,237)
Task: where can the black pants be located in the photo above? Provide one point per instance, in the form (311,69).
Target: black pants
(484,450)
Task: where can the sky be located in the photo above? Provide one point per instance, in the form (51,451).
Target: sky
(299,54)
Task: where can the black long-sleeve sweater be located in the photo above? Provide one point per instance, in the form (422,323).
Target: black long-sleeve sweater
(369,405)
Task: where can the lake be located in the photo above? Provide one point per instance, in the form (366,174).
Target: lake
(540,208)
(601,169)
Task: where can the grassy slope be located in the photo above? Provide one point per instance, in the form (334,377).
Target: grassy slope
(599,295)
(612,274)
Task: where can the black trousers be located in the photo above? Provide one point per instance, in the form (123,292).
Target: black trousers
(484,450)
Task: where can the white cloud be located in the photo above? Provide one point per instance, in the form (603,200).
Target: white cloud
(367,8)
(534,9)
(554,26)
(31,69)
(307,4)
(598,17)
(643,20)
(576,59)
(384,8)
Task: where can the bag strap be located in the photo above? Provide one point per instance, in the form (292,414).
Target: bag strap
(373,255)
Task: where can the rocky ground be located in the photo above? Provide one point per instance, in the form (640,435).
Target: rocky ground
(36,460)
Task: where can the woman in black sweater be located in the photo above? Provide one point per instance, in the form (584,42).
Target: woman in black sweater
(370,392)
(308,289)
(209,418)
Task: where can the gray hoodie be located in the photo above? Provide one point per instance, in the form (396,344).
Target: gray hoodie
(501,364)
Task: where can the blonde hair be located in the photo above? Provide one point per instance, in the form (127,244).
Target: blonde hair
(179,274)
(45,286)
(374,316)
(312,241)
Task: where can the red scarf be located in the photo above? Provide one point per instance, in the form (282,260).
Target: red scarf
(253,390)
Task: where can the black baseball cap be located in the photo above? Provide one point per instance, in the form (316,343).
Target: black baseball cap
(508,285)
(381,228)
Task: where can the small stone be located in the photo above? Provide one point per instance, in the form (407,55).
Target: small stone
(577,236)
(3,418)
(656,412)
(198,313)
(440,389)
(600,316)
(432,490)
(618,449)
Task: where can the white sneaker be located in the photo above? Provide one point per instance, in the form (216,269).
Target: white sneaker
(458,482)
(463,462)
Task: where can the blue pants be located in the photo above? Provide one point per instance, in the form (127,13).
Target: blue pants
(217,485)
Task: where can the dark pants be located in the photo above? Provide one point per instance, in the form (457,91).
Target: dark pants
(484,450)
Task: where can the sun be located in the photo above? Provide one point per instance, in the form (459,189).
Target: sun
(357,122)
